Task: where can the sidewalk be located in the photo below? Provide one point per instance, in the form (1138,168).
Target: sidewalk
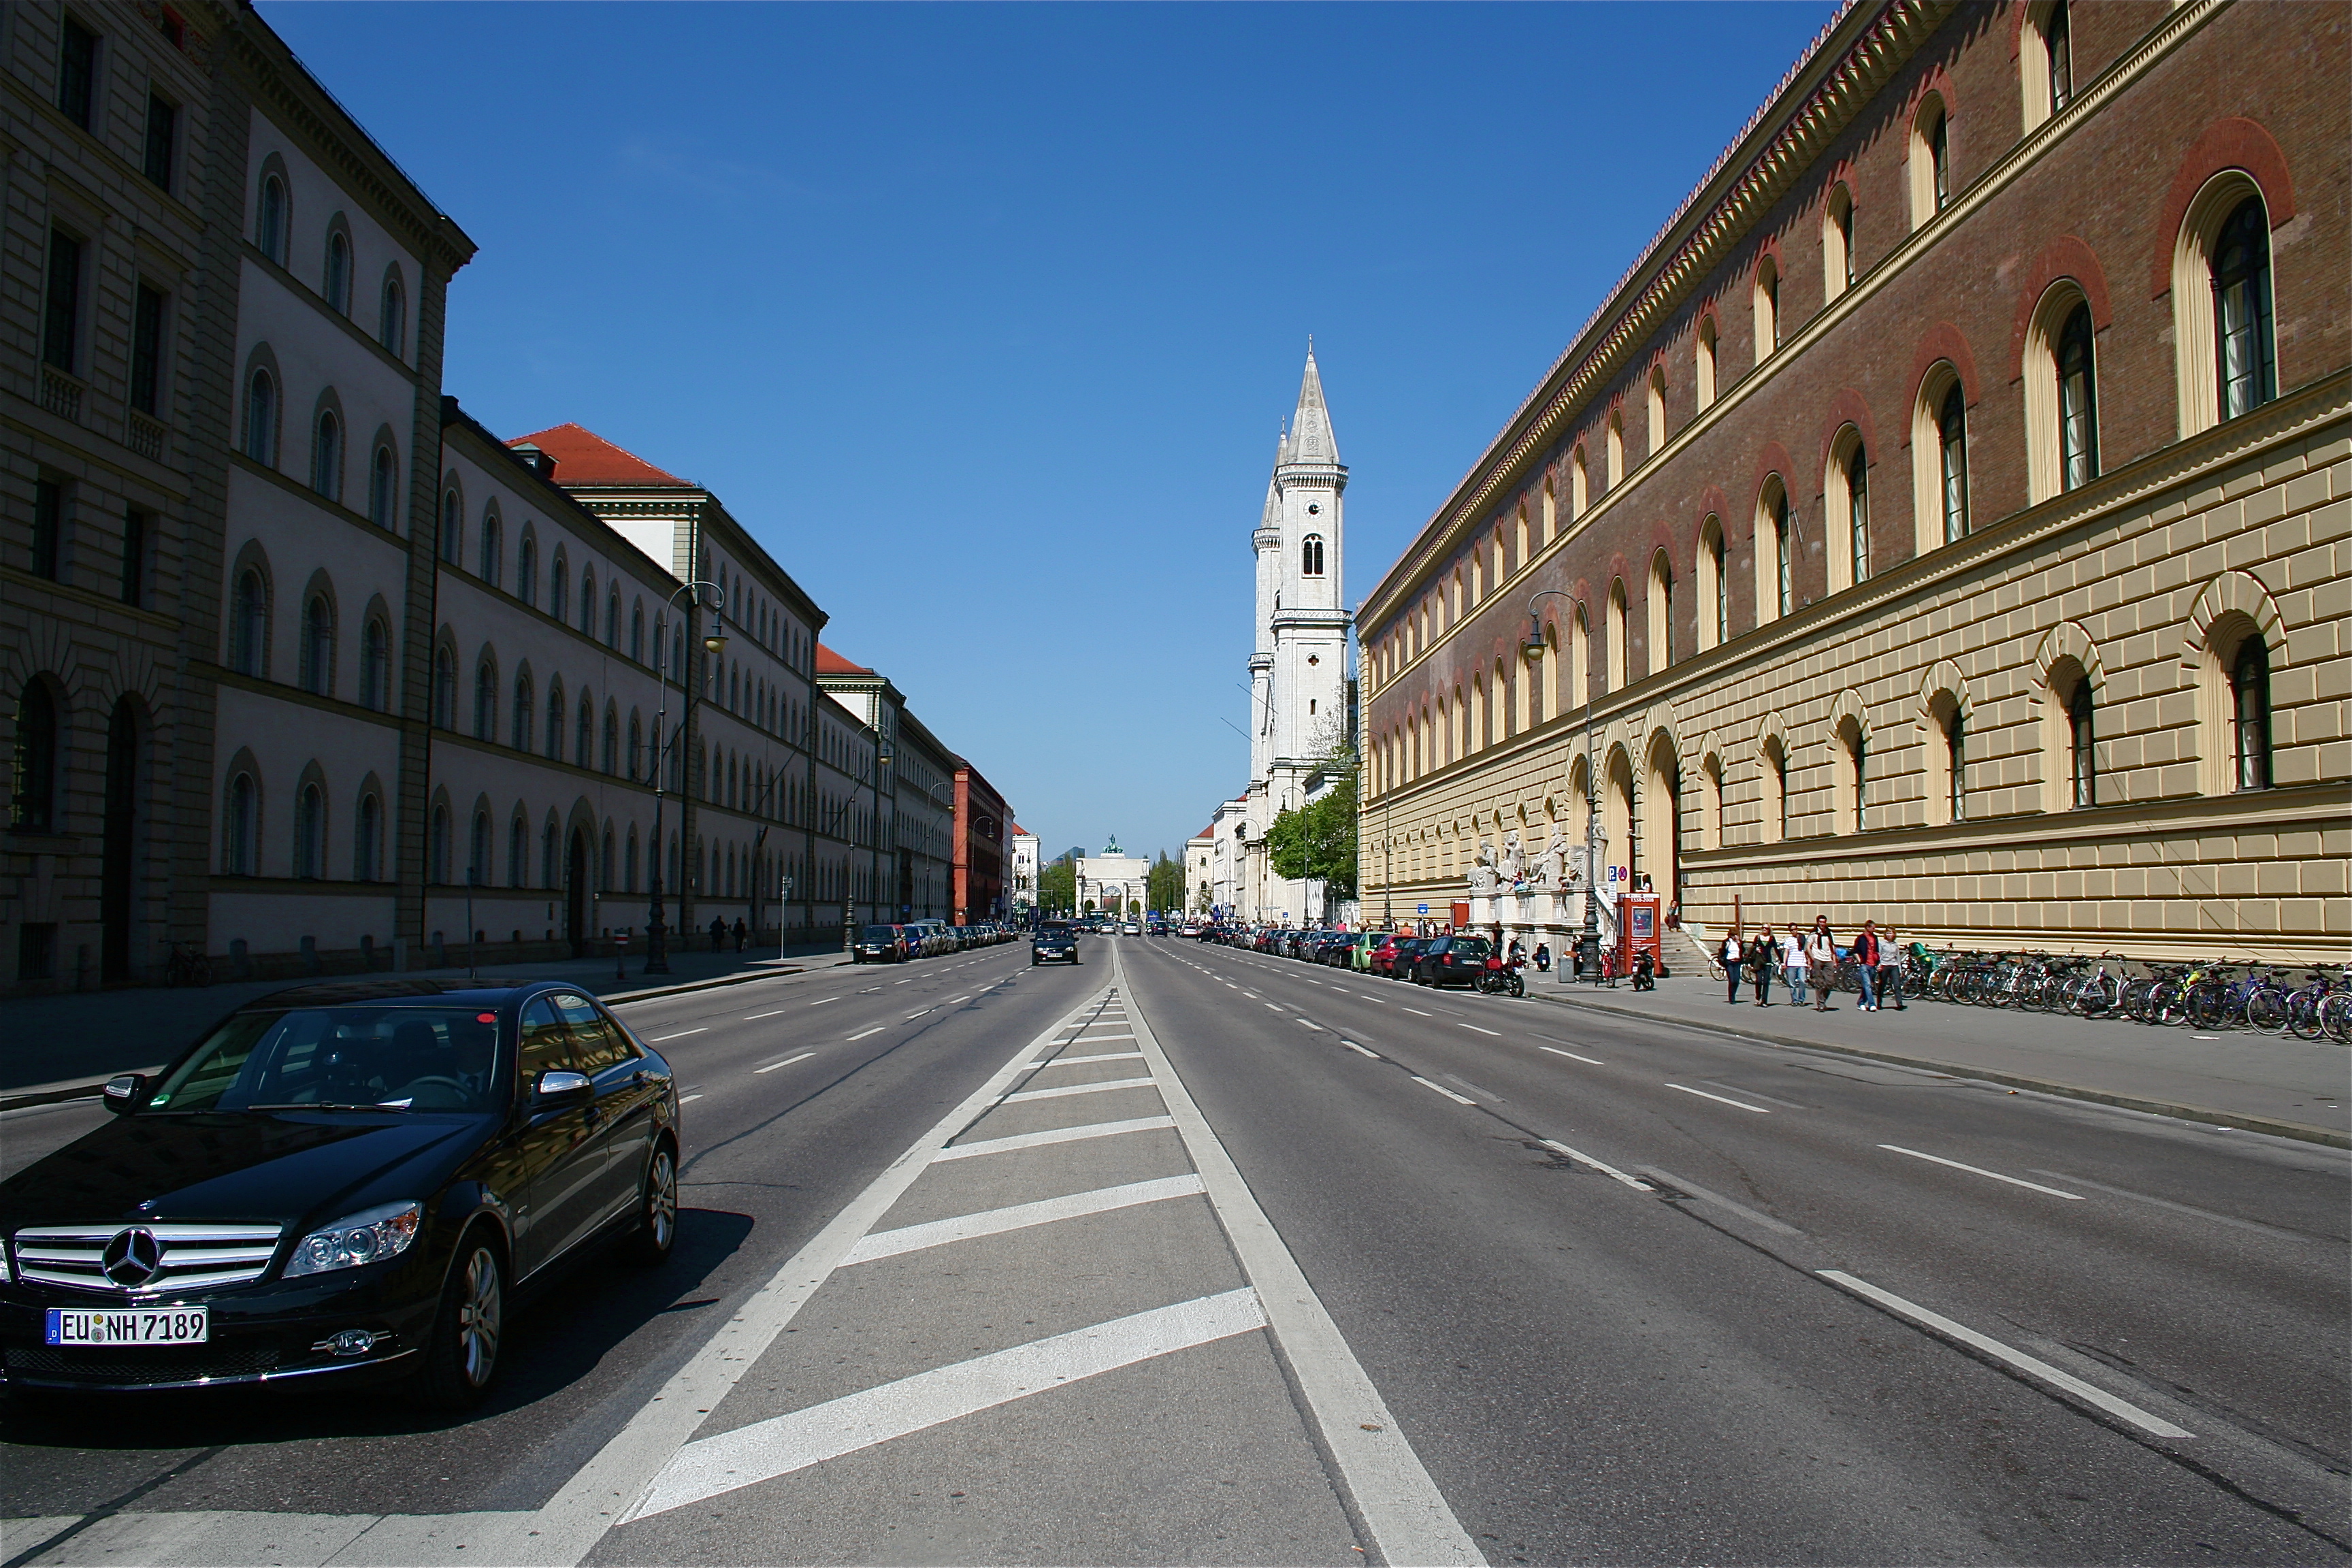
(2263,1083)
(55,1042)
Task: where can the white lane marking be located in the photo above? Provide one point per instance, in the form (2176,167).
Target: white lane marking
(1231,986)
(909,981)
(1361,1052)
(1401,1508)
(1981,1171)
(1105,1056)
(754,1018)
(2176,1208)
(1596,1061)
(954,1000)
(1053,1135)
(683,1099)
(863,1032)
(1417,1013)
(657,1040)
(912,1017)
(1078,1089)
(786,1062)
(1694,1190)
(1602,1166)
(1019,1216)
(832,999)
(1276,1005)
(2089,1393)
(1316,1028)
(1456,1099)
(782,1444)
(1719,1100)
(1458,1024)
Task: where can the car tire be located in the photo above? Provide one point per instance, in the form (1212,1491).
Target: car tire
(461,1349)
(650,1240)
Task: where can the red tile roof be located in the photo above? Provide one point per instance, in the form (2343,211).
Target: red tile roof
(830,663)
(1021,832)
(583,457)
(1208,832)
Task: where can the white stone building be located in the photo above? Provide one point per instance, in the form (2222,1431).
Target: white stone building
(1200,856)
(1021,882)
(1298,666)
(1114,878)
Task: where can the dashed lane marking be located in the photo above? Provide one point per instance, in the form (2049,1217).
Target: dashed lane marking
(786,1062)
(754,1018)
(1604,1166)
(1361,1051)
(1456,1099)
(657,1040)
(1981,1171)
(1740,1103)
(1596,1061)
(863,1032)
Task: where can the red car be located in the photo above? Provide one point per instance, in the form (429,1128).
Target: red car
(1394,951)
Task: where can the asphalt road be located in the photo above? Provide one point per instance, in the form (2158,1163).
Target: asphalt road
(1192,1255)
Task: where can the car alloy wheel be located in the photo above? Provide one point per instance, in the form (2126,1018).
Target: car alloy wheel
(461,1353)
(481,1309)
(657,1227)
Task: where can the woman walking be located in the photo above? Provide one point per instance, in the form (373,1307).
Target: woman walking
(1730,955)
(1820,950)
(1795,964)
(1759,966)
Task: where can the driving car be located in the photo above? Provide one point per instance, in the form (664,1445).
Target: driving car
(1449,960)
(1054,941)
(351,1181)
(879,944)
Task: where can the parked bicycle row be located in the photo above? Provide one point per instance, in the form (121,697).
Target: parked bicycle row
(2309,1000)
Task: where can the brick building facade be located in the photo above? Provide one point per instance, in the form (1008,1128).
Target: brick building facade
(1945,520)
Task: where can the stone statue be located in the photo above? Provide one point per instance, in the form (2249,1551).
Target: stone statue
(1514,868)
(1482,870)
(1551,870)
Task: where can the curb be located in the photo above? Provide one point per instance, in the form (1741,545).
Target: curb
(2301,1131)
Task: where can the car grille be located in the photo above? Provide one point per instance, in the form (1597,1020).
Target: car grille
(165,1363)
(194,1256)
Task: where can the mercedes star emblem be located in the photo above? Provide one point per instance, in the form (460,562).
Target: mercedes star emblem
(133,1259)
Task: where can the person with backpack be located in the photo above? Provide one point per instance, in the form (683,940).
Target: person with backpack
(1759,966)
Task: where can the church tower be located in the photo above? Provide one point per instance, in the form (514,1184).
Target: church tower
(1298,674)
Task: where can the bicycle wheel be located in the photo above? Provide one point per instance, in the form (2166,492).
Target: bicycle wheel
(2303,1009)
(2335,1014)
(2166,1002)
(2266,1009)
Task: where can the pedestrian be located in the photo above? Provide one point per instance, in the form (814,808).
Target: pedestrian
(1733,950)
(1794,965)
(717,932)
(740,934)
(1759,966)
(1890,969)
(1543,958)
(1821,952)
(1865,964)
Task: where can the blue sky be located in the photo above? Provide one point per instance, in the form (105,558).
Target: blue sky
(985,318)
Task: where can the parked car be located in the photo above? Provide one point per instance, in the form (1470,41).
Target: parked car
(1452,960)
(1054,941)
(1393,956)
(879,944)
(349,1181)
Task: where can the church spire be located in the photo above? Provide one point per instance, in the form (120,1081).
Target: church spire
(1311,440)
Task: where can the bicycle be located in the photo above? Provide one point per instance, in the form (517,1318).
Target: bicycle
(188,965)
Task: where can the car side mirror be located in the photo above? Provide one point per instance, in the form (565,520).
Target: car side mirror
(560,1087)
(126,1093)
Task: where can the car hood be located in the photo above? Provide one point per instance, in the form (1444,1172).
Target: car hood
(292,1167)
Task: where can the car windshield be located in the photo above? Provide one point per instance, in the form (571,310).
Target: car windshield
(1052,930)
(881,934)
(351,1058)
(1468,947)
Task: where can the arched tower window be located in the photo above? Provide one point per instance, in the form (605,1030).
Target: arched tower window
(319,646)
(452,526)
(269,231)
(310,833)
(374,666)
(326,456)
(261,418)
(2081,750)
(338,273)
(381,480)
(249,625)
(1837,240)
(1952,463)
(240,829)
(1310,555)
(1703,362)
(2078,417)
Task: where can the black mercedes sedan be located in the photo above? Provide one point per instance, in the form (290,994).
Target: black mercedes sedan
(347,1181)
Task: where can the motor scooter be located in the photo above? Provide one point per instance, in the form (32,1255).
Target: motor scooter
(1646,971)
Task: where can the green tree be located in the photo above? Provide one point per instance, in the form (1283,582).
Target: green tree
(1164,888)
(1317,842)
(1057,886)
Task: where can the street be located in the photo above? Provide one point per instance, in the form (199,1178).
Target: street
(1190,1253)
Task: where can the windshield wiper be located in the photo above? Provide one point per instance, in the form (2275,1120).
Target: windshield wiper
(328,1106)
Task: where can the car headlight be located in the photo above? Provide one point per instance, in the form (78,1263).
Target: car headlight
(369,1237)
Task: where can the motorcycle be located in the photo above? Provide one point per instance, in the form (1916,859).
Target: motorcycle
(1501,977)
(1645,971)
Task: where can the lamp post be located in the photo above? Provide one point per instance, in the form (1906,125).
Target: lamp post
(710,595)
(1588,944)
(882,759)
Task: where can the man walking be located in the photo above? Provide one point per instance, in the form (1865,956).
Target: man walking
(1865,964)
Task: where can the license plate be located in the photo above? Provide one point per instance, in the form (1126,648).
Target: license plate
(127,1326)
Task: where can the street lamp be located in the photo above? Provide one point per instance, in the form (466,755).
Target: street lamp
(710,595)
(1587,943)
(882,759)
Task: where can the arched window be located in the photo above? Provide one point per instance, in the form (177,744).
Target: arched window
(477,851)
(638,632)
(525,711)
(611,753)
(2250,712)
(583,733)
(319,646)
(382,487)
(1930,160)
(445,689)
(1767,307)
(1952,463)
(1774,777)
(1775,552)
(1954,725)
(1616,450)
(1851,791)
(1579,497)
(310,833)
(629,878)
(1714,586)
(240,827)
(555,722)
(588,602)
(551,868)
(558,604)
(1784,557)
(326,456)
(613,616)
(338,273)
(637,749)
(392,318)
(374,665)
(1703,367)
(452,527)
(261,418)
(527,569)
(485,700)
(249,648)
(1310,554)
(1837,240)
(2245,349)
(519,851)
(33,762)
(493,547)
(436,848)
(1661,612)
(2078,417)
(2082,736)
(1615,651)
(2058,55)
(269,230)
(367,844)
(1658,408)
(1857,509)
